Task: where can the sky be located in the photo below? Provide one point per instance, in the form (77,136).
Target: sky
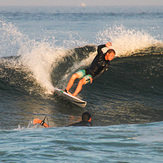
(79,2)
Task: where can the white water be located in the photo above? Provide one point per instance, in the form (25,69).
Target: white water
(126,41)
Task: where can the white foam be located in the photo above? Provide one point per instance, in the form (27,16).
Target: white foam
(126,41)
(38,57)
(40,61)
(11,39)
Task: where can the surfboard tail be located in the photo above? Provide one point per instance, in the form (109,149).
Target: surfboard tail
(70,98)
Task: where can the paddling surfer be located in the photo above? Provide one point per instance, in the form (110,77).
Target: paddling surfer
(86,121)
(99,65)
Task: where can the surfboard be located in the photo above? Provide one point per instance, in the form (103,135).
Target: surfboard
(70,98)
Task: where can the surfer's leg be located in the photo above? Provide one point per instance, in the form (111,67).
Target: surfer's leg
(79,87)
(79,74)
(71,81)
(83,81)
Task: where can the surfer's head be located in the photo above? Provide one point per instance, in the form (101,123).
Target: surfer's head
(110,54)
(86,117)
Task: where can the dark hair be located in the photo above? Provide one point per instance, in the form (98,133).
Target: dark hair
(111,50)
(86,116)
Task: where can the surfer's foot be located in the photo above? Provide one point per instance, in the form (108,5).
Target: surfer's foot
(67,92)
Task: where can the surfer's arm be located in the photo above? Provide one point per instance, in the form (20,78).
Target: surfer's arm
(99,49)
(108,44)
(41,122)
(44,124)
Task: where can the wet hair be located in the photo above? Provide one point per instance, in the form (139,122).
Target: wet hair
(111,50)
(86,116)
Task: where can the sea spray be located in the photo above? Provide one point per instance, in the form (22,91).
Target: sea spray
(126,41)
(13,42)
(37,57)
(40,61)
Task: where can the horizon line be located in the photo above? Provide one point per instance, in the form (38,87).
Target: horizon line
(78,5)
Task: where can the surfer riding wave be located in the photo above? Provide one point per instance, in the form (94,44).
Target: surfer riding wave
(99,65)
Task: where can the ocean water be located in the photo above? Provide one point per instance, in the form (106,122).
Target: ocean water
(41,47)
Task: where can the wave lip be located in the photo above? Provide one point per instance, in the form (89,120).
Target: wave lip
(126,42)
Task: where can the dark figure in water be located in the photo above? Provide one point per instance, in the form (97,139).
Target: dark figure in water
(86,121)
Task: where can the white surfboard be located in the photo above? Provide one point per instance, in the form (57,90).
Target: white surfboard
(70,98)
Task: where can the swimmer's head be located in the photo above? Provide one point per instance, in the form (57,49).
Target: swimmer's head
(86,117)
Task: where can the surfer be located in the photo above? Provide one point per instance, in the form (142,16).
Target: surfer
(86,121)
(99,65)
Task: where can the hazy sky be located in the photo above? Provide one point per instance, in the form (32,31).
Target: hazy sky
(78,2)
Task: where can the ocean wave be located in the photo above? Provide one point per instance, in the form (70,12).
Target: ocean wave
(145,64)
(129,92)
(36,65)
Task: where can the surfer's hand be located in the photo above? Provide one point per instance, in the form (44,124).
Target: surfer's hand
(108,44)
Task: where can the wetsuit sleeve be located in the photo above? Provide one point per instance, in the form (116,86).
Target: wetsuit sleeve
(101,55)
(99,49)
